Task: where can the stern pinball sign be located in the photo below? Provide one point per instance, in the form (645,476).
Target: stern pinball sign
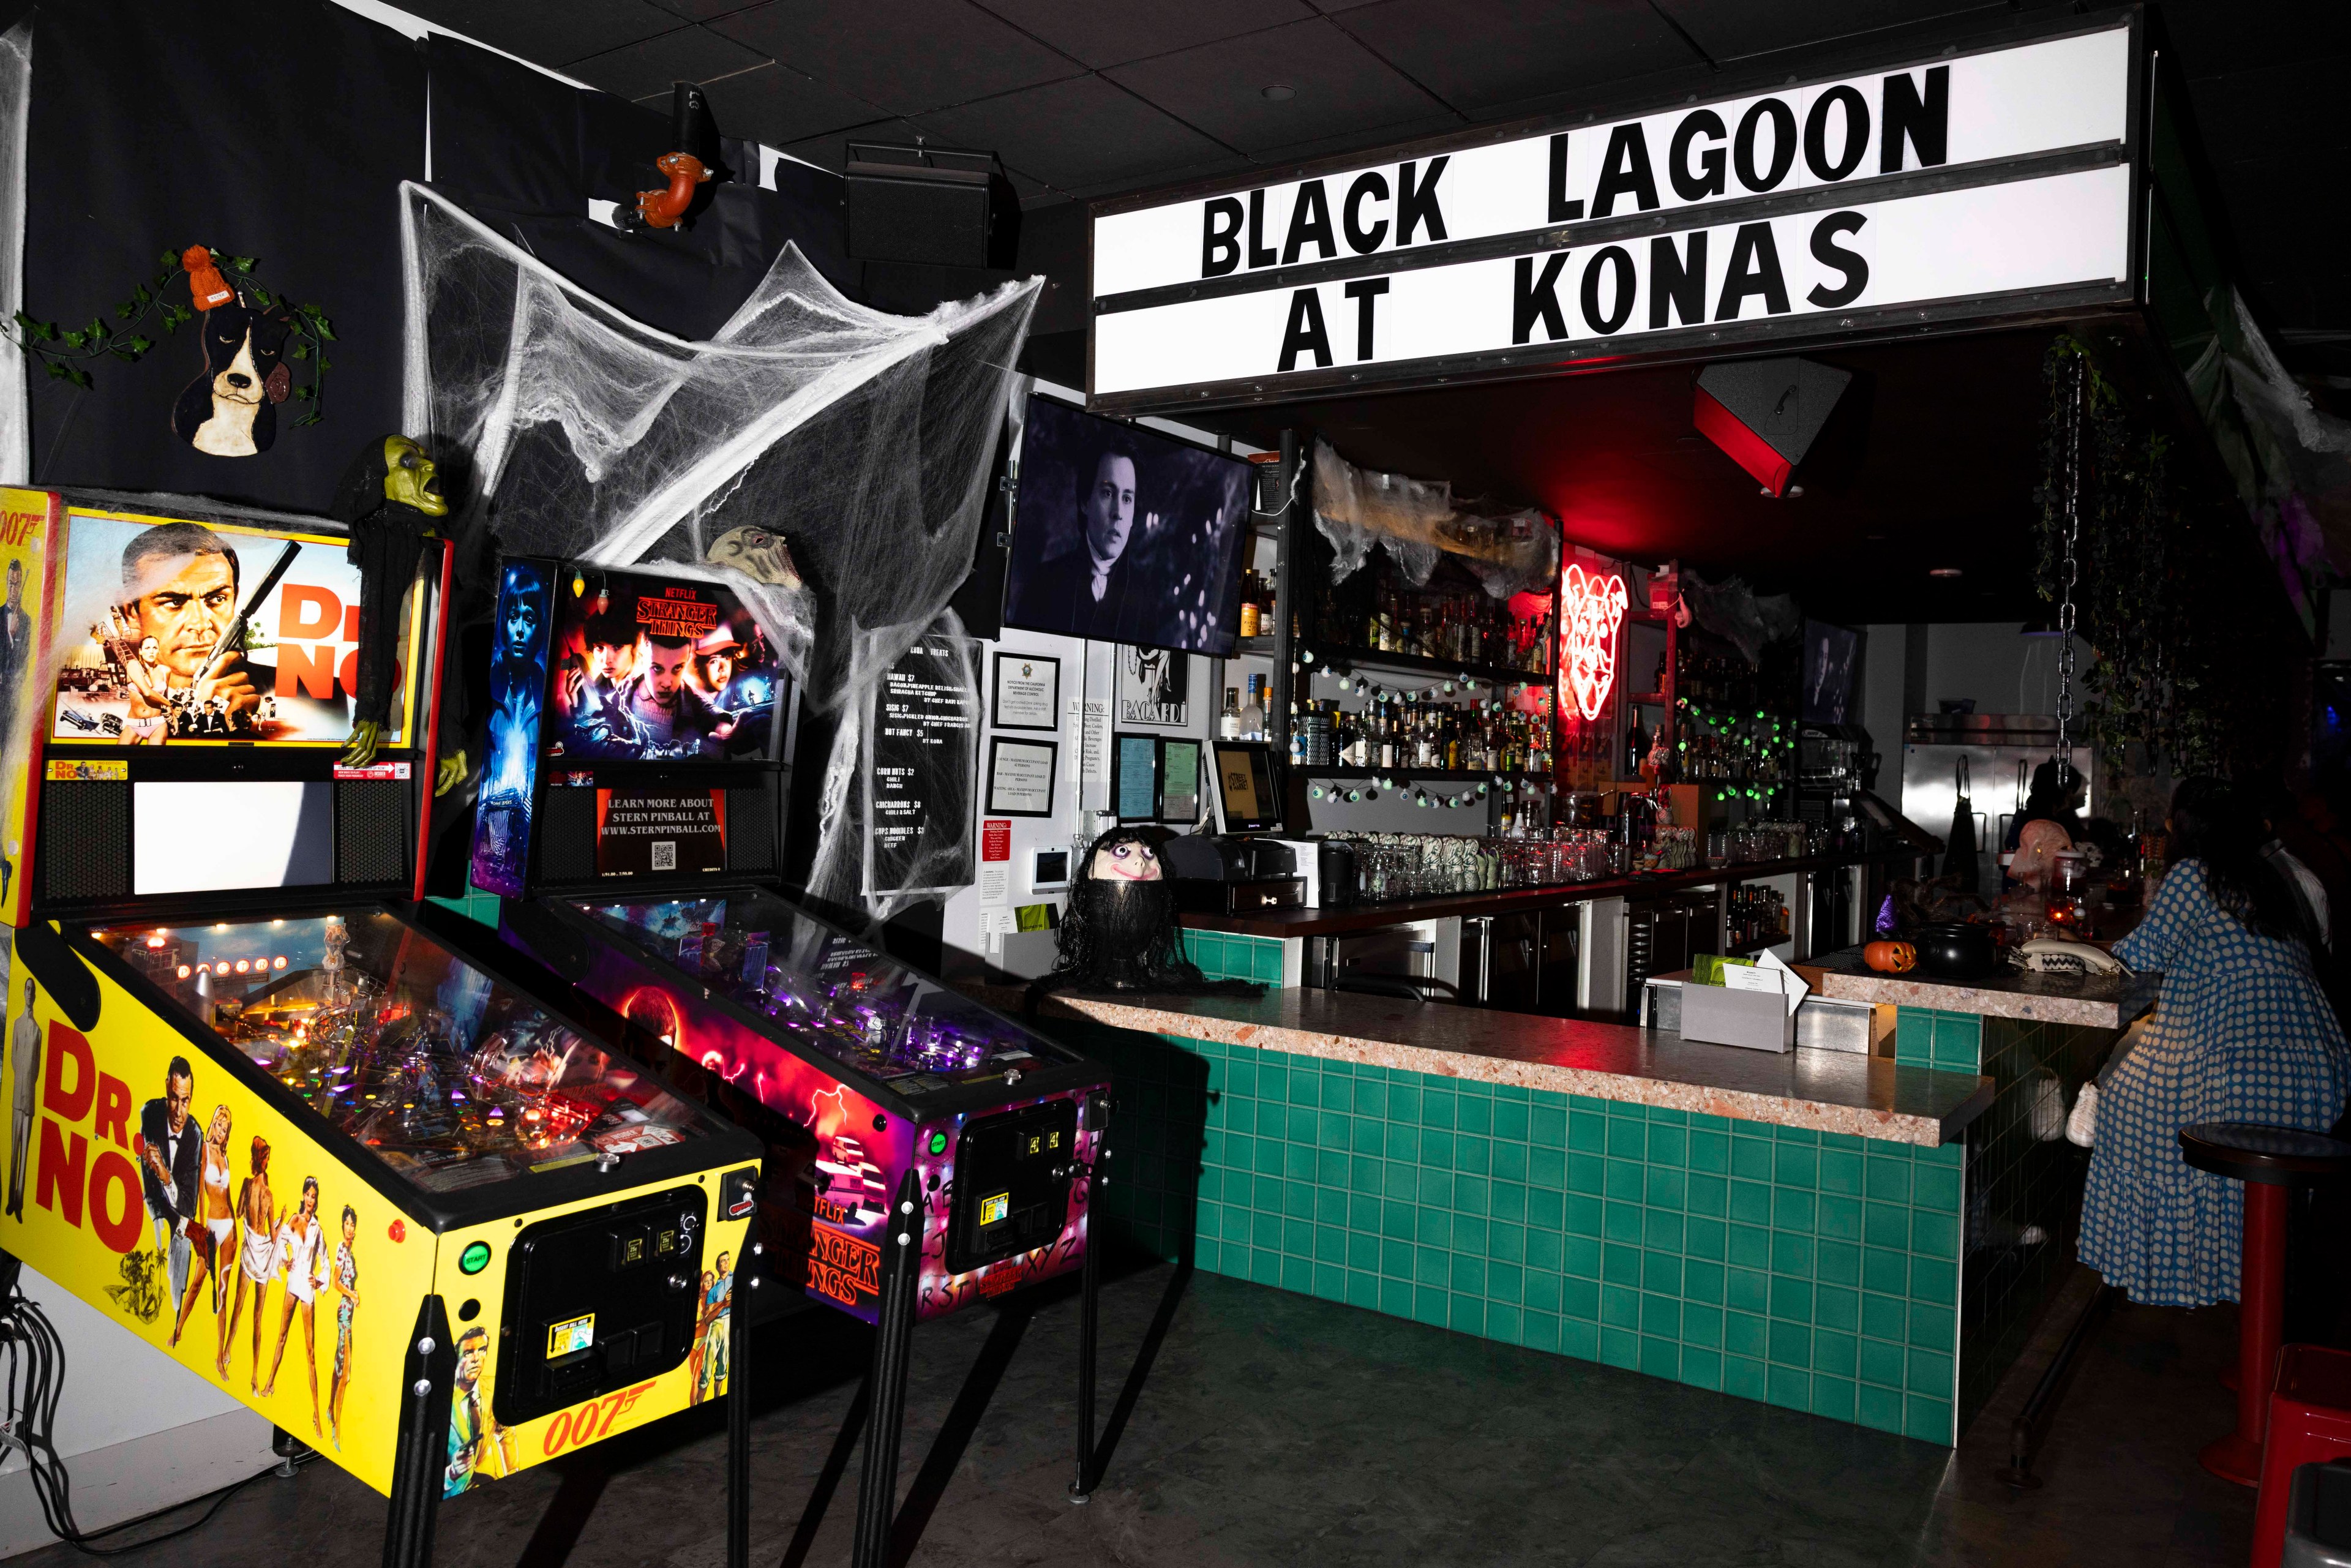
(1989,177)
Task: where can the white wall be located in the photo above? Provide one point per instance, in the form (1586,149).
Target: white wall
(1992,662)
(138,1431)
(2001,669)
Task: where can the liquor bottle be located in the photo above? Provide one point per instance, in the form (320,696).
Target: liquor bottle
(1297,735)
(1250,615)
(1253,716)
(1229,723)
(1637,747)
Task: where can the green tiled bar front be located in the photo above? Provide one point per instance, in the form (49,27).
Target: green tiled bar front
(1814,1271)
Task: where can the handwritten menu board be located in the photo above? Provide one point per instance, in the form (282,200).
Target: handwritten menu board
(924,761)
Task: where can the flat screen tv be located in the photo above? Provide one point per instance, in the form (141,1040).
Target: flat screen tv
(1125,535)
(187,634)
(646,668)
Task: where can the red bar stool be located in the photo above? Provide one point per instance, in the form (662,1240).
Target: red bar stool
(2270,1161)
(2310,1422)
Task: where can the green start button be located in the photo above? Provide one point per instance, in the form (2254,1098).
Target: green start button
(474,1257)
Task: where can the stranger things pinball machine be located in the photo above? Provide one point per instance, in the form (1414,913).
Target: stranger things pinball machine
(924,1153)
(368,1181)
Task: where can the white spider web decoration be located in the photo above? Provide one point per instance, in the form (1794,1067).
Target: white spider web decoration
(568,429)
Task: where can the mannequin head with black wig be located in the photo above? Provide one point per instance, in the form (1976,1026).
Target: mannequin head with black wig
(1121,932)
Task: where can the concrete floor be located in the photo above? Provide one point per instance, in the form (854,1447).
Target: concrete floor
(1276,1428)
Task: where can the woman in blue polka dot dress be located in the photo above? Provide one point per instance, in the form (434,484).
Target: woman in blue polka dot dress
(2241,1032)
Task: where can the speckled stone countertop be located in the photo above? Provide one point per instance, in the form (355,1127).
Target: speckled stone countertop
(1828,1091)
(2100,1001)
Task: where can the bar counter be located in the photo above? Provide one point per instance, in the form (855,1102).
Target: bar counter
(1826,1231)
(2094,1002)
(1826,1090)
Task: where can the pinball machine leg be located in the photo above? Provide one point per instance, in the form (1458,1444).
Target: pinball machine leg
(738,1413)
(420,1453)
(877,1482)
(1089,1302)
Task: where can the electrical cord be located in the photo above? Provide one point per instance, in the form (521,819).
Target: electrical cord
(32,1378)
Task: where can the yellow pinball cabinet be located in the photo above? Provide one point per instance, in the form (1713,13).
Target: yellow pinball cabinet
(419,1216)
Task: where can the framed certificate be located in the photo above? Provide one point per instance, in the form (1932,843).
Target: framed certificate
(1020,777)
(1026,693)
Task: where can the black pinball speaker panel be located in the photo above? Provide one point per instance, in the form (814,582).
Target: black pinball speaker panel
(85,838)
(751,829)
(370,830)
(933,206)
(567,835)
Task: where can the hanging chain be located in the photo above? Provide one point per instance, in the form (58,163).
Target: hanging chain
(2077,373)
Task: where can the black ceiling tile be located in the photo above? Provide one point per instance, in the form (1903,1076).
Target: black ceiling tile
(1624,94)
(651,64)
(2284,109)
(1477,54)
(1330,8)
(1435,124)
(548,31)
(1731,29)
(1110,35)
(1081,132)
(1338,87)
(778,106)
(907,56)
(830,149)
(706,10)
(1213,168)
(2207,36)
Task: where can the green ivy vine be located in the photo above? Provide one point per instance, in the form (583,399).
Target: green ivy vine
(67,352)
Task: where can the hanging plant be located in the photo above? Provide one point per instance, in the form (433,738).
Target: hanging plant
(198,274)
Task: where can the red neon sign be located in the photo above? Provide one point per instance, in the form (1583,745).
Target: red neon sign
(1592,607)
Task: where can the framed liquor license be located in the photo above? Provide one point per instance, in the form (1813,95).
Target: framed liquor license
(1025,692)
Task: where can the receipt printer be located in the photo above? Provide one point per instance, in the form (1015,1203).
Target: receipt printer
(1228,874)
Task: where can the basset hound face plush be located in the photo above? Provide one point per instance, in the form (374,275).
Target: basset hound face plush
(230,410)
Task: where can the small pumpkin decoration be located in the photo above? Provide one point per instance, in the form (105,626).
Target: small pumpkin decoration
(1890,958)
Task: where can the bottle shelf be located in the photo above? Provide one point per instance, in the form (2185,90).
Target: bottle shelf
(1326,656)
(1423,775)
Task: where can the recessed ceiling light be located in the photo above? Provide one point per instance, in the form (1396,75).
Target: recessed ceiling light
(1943,572)
(1282,92)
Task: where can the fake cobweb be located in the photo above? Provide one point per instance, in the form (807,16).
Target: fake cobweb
(1416,522)
(863,438)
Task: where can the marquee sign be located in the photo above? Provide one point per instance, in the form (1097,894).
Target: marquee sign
(1992,176)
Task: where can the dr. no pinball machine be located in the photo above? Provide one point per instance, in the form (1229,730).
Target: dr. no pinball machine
(353,1172)
(923,1153)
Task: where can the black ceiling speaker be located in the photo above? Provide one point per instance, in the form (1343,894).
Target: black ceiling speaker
(936,206)
(1766,413)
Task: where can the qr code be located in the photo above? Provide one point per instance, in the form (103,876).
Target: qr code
(665,855)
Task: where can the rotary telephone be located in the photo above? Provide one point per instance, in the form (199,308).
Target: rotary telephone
(2056,955)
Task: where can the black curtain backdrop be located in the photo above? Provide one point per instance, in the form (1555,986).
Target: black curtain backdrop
(274,129)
